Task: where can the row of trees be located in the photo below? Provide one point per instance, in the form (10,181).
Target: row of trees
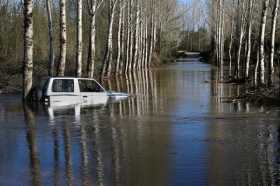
(244,33)
(195,36)
(132,32)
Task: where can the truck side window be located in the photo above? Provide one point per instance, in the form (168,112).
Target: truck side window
(89,86)
(63,85)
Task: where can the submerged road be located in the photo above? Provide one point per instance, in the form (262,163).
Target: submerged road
(179,127)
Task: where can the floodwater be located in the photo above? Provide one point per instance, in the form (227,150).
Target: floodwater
(177,128)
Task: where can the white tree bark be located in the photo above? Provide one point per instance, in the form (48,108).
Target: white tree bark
(122,64)
(128,33)
(79,44)
(249,41)
(137,31)
(132,35)
(257,69)
(28,49)
(151,42)
(230,47)
(241,24)
(222,38)
(140,57)
(262,37)
(63,39)
(108,58)
(272,46)
(146,45)
(50,30)
(120,41)
(93,6)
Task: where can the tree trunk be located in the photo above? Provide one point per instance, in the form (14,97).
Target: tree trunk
(140,57)
(128,36)
(63,39)
(93,6)
(222,38)
(79,44)
(273,29)
(50,30)
(91,49)
(28,49)
(120,41)
(132,35)
(122,64)
(241,25)
(146,46)
(230,47)
(262,37)
(249,42)
(136,44)
(256,72)
(108,58)
(151,43)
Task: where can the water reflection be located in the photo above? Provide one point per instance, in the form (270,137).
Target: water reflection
(178,127)
(35,171)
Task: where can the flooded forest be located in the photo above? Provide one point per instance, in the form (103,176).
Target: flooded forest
(139,92)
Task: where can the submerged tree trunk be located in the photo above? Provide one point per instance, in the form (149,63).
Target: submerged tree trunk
(222,38)
(28,49)
(79,44)
(151,42)
(241,29)
(108,58)
(128,32)
(93,6)
(249,41)
(262,37)
(120,40)
(257,69)
(137,31)
(273,29)
(50,30)
(63,39)
(132,35)
(230,47)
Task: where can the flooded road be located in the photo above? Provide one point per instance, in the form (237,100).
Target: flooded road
(178,127)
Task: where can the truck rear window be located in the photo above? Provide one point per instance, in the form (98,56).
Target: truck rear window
(63,85)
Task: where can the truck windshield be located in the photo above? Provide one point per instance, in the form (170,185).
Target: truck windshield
(89,86)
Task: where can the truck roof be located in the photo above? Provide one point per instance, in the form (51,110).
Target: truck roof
(66,77)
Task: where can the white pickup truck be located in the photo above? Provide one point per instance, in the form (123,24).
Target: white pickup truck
(61,91)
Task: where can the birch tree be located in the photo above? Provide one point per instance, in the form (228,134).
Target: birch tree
(28,49)
(262,37)
(249,39)
(79,44)
(120,35)
(128,33)
(230,44)
(93,6)
(272,44)
(132,32)
(51,39)
(241,31)
(137,33)
(108,58)
(63,39)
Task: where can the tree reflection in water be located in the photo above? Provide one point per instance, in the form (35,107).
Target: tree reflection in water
(32,145)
